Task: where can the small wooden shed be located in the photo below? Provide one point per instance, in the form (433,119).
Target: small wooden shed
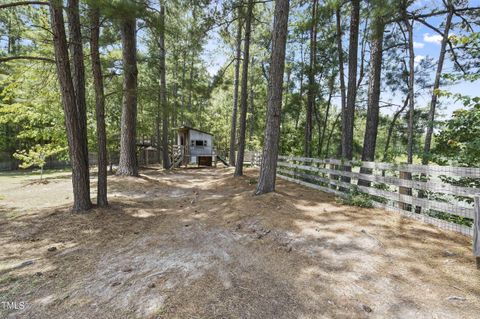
(194,147)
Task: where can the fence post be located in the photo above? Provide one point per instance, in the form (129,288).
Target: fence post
(476,232)
(405,191)
(333,167)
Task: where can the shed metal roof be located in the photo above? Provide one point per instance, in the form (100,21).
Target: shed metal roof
(184,127)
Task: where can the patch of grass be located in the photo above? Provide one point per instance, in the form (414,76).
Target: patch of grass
(35,173)
(2,197)
(356,198)
(7,279)
(450,217)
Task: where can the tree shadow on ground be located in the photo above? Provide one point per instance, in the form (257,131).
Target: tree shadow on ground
(196,242)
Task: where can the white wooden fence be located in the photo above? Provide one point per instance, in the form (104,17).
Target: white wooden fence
(445,196)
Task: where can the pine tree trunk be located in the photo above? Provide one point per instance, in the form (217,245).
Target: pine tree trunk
(373,108)
(411,95)
(341,71)
(158,131)
(311,83)
(348,114)
(244,95)
(163,88)
(99,108)
(175,94)
(76,140)
(128,165)
(268,170)
(327,113)
(190,82)
(236,80)
(287,91)
(251,103)
(436,86)
(411,89)
(184,72)
(78,66)
(302,72)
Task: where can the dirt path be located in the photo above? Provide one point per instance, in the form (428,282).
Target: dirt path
(196,244)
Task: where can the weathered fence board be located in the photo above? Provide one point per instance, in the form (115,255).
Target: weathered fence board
(427,219)
(428,186)
(446,197)
(412,168)
(468,231)
(314,186)
(408,199)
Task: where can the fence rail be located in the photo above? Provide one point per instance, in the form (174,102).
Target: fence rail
(440,195)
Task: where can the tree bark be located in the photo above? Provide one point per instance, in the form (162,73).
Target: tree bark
(341,72)
(190,83)
(76,141)
(158,132)
(163,88)
(307,149)
(99,107)
(436,86)
(238,57)
(373,108)
(287,91)
(128,165)
(348,113)
(184,72)
(78,66)
(302,72)
(327,112)
(268,169)
(251,103)
(244,95)
(175,92)
(411,88)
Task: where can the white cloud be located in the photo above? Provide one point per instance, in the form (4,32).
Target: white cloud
(418,45)
(436,38)
(418,59)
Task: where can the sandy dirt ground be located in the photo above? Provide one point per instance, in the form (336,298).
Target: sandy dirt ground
(195,243)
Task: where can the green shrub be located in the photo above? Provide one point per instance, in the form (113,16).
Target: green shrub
(356,198)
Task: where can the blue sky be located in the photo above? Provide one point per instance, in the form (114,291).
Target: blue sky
(427,44)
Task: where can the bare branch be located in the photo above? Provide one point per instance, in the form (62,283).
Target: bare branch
(26,57)
(452,49)
(22,3)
